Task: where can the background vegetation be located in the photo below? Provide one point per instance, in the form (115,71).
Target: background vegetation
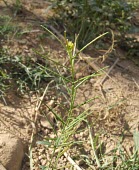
(89,18)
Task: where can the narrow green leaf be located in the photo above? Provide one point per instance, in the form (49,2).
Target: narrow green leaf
(44,143)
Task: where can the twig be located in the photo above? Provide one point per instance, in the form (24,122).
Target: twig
(34,123)
(57,33)
(107,73)
(71,161)
(40,101)
(6,3)
(30,152)
(4,100)
(103,80)
(135,82)
(30,31)
(104,57)
(92,145)
(93,65)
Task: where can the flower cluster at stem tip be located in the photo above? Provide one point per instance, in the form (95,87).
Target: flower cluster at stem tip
(69,45)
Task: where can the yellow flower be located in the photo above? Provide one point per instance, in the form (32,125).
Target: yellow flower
(70,45)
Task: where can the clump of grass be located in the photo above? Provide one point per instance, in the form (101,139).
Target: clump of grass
(4,76)
(5,26)
(16,6)
(24,75)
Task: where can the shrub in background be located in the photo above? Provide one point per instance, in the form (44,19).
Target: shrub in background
(90,18)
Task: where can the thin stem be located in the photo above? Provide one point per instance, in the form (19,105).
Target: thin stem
(93,41)
(93,148)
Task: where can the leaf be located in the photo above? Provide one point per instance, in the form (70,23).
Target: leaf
(44,167)
(136,139)
(44,143)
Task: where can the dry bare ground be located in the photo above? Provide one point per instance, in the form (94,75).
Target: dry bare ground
(114,113)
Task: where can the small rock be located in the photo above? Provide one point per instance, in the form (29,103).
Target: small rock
(45,123)
(87,93)
(11,152)
(42,150)
(46,132)
(48,121)
(2,167)
(43,162)
(79,75)
(40,157)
